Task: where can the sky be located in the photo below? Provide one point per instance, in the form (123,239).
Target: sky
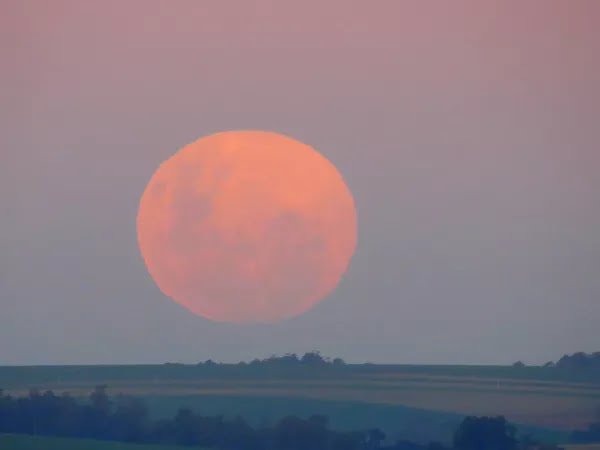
(467,132)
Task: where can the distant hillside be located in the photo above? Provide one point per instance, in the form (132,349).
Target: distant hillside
(579,367)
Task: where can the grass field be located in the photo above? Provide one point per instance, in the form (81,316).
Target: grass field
(21,442)
(396,398)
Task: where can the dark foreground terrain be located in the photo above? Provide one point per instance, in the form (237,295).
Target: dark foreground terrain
(408,401)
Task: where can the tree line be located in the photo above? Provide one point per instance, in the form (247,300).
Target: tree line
(126,419)
(580,362)
(309,359)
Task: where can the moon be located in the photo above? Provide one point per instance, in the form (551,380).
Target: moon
(247,227)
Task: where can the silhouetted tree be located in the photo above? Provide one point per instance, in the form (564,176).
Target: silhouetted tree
(185,428)
(485,433)
(580,362)
(129,423)
(375,438)
(95,416)
(293,433)
(313,359)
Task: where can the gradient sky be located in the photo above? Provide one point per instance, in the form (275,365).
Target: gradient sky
(468,132)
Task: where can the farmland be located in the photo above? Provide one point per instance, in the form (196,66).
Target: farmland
(397,398)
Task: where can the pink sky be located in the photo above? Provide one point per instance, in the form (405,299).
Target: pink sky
(467,131)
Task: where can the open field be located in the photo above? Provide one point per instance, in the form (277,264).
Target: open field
(532,396)
(36,374)
(22,442)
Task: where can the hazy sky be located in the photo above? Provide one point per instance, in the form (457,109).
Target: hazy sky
(468,132)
